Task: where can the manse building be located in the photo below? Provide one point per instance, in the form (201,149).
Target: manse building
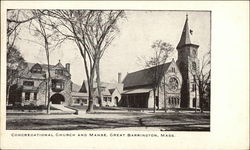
(31,85)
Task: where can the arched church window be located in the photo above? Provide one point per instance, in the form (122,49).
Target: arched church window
(194,65)
(173,84)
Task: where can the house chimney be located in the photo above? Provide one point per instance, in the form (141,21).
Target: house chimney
(68,67)
(119,77)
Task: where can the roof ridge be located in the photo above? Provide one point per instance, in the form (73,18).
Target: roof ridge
(149,68)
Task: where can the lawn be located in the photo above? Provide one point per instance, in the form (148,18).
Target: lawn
(115,120)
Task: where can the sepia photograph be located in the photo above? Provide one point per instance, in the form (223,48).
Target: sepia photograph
(108,69)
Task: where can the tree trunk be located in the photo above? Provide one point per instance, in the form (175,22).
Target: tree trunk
(154,99)
(201,95)
(48,105)
(91,101)
(7,94)
(98,81)
(49,77)
(201,104)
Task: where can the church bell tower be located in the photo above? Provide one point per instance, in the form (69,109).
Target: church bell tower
(187,63)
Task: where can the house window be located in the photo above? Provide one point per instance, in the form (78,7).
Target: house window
(105,99)
(27,96)
(36,70)
(28,83)
(102,89)
(77,101)
(35,96)
(109,99)
(84,101)
(57,84)
(59,72)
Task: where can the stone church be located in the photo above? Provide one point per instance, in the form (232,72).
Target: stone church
(175,88)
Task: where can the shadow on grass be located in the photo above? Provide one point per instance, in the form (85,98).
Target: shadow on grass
(165,122)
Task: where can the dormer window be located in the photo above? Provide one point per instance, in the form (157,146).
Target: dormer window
(59,71)
(102,89)
(36,69)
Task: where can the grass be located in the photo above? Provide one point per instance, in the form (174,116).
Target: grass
(160,121)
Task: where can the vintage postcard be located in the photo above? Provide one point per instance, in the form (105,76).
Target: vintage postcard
(109,75)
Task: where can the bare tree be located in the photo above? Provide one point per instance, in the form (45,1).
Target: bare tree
(15,18)
(101,31)
(92,32)
(161,52)
(47,38)
(201,76)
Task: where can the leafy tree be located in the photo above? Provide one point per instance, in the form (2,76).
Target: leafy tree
(15,66)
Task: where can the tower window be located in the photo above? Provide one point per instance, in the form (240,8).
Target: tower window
(194,65)
(194,52)
(173,69)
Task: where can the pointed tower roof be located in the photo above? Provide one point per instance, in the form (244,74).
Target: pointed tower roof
(185,36)
(59,65)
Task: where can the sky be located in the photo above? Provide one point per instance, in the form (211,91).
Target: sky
(137,33)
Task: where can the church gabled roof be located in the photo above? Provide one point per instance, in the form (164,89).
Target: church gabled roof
(145,77)
(185,36)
